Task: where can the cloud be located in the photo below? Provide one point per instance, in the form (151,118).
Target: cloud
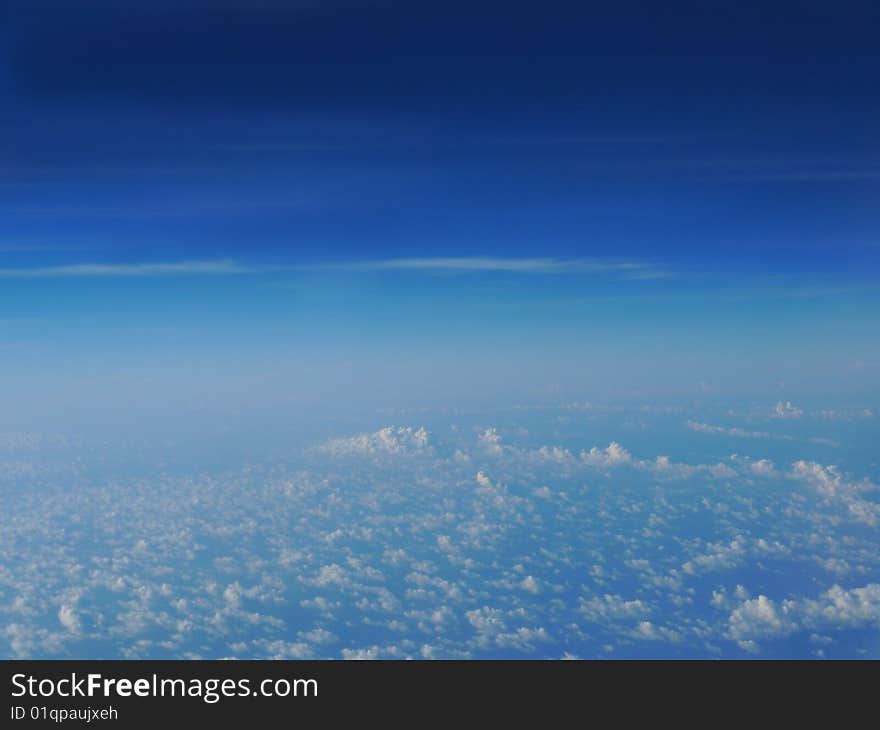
(179,268)
(828,481)
(630,270)
(366,654)
(490,440)
(844,415)
(781,411)
(475,264)
(486,620)
(648,631)
(734,431)
(612,607)
(838,607)
(330,575)
(763,468)
(613,455)
(388,440)
(69,620)
(762,618)
(554,454)
(758,618)
(718,556)
(483,480)
(529,550)
(787,410)
(523,639)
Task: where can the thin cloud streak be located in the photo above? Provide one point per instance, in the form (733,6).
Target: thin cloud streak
(629,270)
(468,264)
(179,268)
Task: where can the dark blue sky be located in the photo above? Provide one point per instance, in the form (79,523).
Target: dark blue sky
(629,182)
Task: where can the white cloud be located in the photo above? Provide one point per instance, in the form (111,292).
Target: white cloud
(763,468)
(331,575)
(612,607)
(718,556)
(388,440)
(613,455)
(486,620)
(463,556)
(370,653)
(523,639)
(787,410)
(490,440)
(483,480)
(69,619)
(762,619)
(828,481)
(554,454)
(732,431)
(844,415)
(757,618)
(177,268)
(289,650)
(838,607)
(472,264)
(650,632)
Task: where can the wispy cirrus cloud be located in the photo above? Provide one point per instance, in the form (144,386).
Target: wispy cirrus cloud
(477,264)
(630,270)
(743,433)
(732,431)
(143,269)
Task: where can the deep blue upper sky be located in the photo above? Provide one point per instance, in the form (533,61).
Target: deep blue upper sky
(320,130)
(706,174)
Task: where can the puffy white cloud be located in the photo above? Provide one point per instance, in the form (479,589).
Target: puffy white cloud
(69,619)
(718,556)
(763,468)
(487,620)
(523,639)
(329,576)
(490,440)
(759,620)
(612,607)
(554,454)
(787,410)
(437,547)
(650,632)
(830,483)
(838,607)
(365,654)
(756,619)
(826,479)
(612,455)
(388,440)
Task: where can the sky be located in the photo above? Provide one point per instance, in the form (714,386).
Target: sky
(234,204)
(419,329)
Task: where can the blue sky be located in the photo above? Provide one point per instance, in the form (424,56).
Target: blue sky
(194,190)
